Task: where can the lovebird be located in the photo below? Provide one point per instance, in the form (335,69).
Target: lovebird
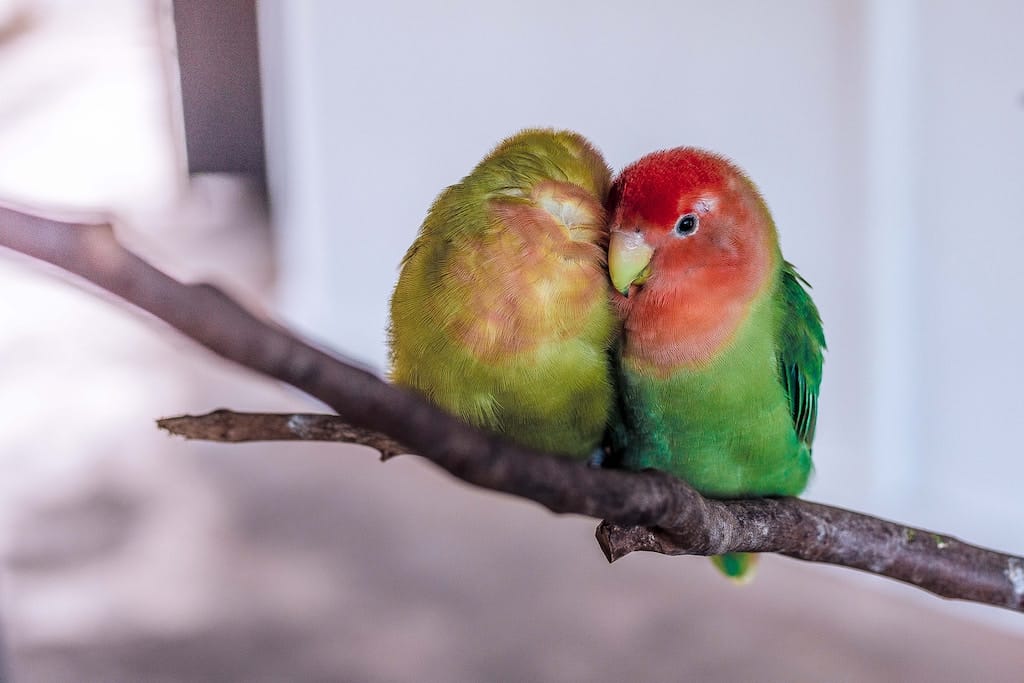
(720,359)
(502,314)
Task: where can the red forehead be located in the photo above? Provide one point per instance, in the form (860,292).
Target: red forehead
(652,187)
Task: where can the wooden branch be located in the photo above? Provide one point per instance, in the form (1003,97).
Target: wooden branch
(680,520)
(816,533)
(231,427)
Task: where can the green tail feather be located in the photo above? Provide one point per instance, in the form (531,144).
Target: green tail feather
(737,566)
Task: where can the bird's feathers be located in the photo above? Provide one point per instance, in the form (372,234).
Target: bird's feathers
(501,313)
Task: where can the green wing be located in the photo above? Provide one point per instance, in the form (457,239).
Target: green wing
(800,353)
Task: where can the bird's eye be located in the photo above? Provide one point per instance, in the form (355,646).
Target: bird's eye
(686,225)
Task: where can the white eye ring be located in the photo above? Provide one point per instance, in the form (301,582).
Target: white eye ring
(687,225)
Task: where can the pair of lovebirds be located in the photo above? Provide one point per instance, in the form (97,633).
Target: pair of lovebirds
(653,315)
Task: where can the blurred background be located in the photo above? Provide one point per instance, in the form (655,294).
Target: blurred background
(288,150)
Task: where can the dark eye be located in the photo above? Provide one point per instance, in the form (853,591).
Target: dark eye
(686,225)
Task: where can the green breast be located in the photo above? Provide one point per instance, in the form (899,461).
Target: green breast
(725,427)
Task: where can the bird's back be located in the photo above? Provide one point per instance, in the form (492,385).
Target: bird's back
(495,317)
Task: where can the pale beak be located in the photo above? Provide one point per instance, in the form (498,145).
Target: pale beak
(629,260)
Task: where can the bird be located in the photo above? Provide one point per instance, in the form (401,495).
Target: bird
(719,363)
(502,313)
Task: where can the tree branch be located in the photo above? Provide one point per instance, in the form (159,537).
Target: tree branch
(680,520)
(812,532)
(232,427)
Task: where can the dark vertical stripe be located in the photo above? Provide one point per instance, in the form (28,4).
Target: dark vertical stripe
(218,54)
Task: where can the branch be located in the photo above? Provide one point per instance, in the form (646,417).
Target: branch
(680,520)
(800,529)
(231,427)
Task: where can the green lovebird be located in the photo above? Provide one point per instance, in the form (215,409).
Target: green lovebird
(720,358)
(502,314)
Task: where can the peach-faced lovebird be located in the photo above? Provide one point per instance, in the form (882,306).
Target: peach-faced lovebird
(502,313)
(721,352)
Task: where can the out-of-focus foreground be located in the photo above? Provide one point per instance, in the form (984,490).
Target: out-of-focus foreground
(130,556)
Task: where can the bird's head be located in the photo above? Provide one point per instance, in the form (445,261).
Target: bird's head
(681,214)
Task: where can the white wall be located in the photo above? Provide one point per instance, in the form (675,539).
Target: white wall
(374,107)
(971,198)
(89,113)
